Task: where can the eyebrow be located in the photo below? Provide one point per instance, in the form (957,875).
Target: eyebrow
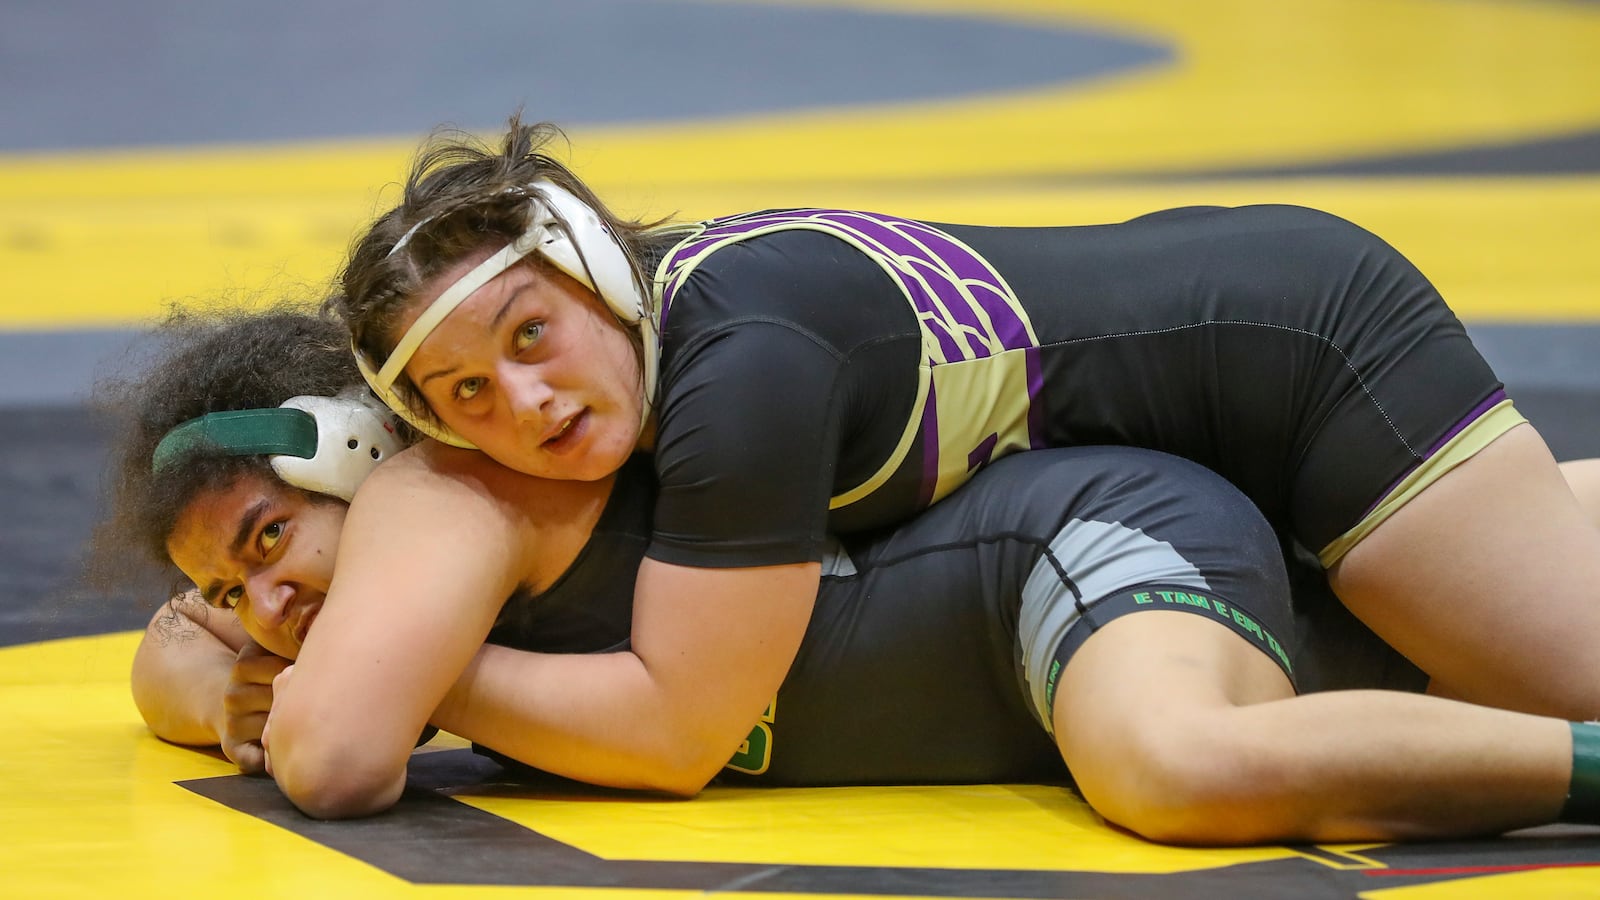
(247,527)
(494,322)
(506,307)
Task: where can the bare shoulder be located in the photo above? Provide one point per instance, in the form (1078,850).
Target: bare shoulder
(431,479)
(477,513)
(451,478)
(447,508)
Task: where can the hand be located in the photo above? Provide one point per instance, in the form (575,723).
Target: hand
(266,746)
(245,704)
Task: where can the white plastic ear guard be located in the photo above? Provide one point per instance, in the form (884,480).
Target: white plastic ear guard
(352,438)
(583,248)
(324,444)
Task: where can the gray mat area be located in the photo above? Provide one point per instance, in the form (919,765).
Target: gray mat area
(50,477)
(101,73)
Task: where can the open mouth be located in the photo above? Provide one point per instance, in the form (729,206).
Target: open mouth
(303,627)
(568,434)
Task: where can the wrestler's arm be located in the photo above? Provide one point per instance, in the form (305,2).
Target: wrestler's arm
(668,714)
(424,565)
(720,605)
(181,670)
(411,604)
(198,679)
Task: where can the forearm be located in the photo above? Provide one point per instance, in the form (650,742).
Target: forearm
(618,729)
(180,673)
(710,649)
(409,604)
(336,759)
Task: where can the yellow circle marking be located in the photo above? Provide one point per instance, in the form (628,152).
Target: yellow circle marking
(109,238)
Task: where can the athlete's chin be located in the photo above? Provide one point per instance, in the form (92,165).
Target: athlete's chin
(592,467)
(590,462)
(281,643)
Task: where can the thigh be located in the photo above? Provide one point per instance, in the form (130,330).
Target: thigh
(1583,476)
(1489,580)
(1140,708)
(1135,532)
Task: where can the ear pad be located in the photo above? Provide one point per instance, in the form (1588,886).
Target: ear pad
(586,233)
(352,438)
(613,279)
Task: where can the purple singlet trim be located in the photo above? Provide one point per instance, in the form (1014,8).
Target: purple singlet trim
(1035,408)
(1474,415)
(930,267)
(1477,412)
(983,453)
(951,289)
(930,450)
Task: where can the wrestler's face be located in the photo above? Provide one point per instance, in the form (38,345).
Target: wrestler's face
(264,549)
(533,369)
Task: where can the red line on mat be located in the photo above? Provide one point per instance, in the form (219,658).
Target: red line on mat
(1479,870)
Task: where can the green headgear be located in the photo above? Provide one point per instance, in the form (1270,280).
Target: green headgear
(328,445)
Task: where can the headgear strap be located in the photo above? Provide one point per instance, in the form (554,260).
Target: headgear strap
(240,432)
(570,236)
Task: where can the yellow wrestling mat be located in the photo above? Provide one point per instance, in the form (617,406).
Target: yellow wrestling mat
(1283,94)
(1429,121)
(96,806)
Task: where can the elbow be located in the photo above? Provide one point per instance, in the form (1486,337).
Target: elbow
(324,791)
(685,770)
(681,769)
(683,783)
(331,780)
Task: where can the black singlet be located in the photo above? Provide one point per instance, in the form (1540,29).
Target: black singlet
(819,356)
(912,666)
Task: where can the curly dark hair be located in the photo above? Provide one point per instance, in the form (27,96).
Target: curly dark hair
(204,361)
(466,195)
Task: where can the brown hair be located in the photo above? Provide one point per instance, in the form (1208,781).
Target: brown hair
(204,361)
(467,196)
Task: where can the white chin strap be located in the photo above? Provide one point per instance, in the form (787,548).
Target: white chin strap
(583,248)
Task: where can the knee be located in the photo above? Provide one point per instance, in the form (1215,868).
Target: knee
(1195,779)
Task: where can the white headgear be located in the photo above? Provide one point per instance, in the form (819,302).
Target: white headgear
(328,445)
(569,235)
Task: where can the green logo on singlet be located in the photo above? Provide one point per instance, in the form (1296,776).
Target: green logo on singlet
(1242,623)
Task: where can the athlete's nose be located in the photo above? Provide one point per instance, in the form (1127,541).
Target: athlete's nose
(270,599)
(527,394)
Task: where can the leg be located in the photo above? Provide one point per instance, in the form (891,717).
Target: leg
(1180,730)
(1489,580)
(1583,476)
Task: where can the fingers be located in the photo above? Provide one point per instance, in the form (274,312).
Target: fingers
(266,755)
(257,665)
(249,756)
(242,731)
(266,726)
(246,702)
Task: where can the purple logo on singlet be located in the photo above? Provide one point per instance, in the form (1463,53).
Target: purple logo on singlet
(962,301)
(966,310)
